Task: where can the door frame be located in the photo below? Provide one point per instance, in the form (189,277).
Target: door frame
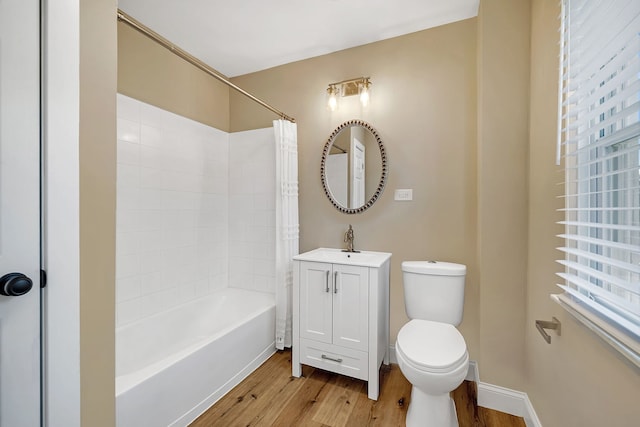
(79,113)
(60,20)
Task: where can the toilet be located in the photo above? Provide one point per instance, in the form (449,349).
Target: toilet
(431,352)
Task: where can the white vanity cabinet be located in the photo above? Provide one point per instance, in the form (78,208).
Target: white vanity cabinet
(341,313)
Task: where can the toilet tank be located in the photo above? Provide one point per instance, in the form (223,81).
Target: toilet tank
(434,290)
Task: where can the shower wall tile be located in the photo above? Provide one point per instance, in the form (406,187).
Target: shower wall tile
(252,210)
(128,130)
(128,153)
(172,210)
(128,108)
(128,176)
(128,288)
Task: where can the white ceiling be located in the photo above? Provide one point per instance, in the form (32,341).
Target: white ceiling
(242,36)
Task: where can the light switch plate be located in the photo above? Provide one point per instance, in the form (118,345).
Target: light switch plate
(404,194)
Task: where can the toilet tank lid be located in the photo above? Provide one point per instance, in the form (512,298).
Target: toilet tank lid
(436,268)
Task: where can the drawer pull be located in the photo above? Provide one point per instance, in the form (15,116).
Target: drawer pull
(325,357)
(327,288)
(335,282)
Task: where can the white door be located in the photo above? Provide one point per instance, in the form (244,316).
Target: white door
(337,177)
(351,306)
(357,173)
(316,286)
(19,213)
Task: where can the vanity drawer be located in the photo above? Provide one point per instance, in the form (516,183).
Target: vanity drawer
(345,361)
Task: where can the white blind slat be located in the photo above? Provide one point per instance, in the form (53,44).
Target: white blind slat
(605,278)
(605,243)
(591,193)
(634,268)
(585,179)
(600,225)
(600,209)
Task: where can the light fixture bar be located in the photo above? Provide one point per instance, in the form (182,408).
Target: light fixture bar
(356,80)
(356,86)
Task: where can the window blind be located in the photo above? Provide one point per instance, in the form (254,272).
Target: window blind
(599,138)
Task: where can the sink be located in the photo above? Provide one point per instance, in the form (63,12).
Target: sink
(337,256)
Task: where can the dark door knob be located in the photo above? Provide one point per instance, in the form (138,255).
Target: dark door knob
(15,284)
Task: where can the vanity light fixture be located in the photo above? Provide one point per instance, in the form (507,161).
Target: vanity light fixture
(358,86)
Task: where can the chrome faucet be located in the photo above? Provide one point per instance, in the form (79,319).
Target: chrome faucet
(348,239)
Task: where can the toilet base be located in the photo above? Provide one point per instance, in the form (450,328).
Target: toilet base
(427,410)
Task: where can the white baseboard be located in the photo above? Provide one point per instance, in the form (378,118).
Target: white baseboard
(510,401)
(392,354)
(530,417)
(472,373)
(495,397)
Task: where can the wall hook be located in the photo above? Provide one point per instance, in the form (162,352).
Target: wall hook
(541,325)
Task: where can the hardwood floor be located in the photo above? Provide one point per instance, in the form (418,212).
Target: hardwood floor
(270,396)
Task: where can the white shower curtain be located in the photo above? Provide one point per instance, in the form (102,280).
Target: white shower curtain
(287,228)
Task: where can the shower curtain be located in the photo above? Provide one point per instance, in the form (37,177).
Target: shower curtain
(287,228)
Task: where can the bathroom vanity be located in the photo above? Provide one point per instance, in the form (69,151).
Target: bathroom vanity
(341,313)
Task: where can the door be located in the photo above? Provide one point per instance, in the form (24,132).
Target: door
(357,172)
(316,285)
(19,213)
(351,306)
(337,177)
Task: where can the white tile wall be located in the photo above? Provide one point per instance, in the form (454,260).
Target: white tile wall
(195,210)
(252,210)
(172,210)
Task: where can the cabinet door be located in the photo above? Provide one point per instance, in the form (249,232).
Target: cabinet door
(351,306)
(315,301)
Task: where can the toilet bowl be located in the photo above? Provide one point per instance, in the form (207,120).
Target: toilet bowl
(433,357)
(431,352)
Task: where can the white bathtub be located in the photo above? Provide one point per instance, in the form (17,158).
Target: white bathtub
(171,367)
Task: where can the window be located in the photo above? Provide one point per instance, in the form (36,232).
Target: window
(599,130)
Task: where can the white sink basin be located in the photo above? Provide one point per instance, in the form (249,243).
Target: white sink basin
(337,256)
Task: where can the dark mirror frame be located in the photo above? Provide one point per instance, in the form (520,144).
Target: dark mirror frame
(323,167)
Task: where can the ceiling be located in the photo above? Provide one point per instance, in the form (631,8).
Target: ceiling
(242,36)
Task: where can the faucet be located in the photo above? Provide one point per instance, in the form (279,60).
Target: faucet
(348,239)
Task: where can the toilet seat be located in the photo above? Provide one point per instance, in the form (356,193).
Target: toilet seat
(431,346)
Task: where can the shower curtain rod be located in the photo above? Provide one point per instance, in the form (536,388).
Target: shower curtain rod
(194,61)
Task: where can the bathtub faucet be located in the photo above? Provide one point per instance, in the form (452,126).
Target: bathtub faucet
(348,239)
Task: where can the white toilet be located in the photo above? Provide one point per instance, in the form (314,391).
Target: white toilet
(431,352)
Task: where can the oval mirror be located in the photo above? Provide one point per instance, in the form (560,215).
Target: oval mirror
(354,167)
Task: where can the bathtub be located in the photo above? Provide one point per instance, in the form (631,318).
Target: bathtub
(172,366)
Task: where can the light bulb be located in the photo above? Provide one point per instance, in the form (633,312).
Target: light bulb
(364,94)
(332,102)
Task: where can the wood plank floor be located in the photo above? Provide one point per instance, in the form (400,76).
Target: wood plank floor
(270,396)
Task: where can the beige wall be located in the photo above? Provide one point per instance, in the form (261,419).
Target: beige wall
(423,106)
(576,381)
(503,114)
(98,57)
(150,73)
